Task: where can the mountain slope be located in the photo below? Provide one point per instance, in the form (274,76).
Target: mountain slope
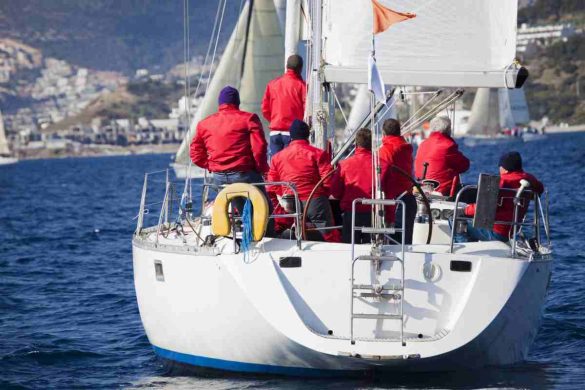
(120,35)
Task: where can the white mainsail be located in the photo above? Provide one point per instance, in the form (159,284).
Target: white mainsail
(4,149)
(449,43)
(252,57)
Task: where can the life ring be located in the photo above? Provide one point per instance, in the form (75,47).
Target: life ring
(220,222)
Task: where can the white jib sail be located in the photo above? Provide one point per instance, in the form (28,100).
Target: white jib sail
(252,57)
(448,43)
(4,149)
(485,113)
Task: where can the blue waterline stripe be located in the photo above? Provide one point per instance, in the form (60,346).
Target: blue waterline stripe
(228,365)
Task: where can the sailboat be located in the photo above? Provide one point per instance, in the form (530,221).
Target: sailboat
(5,155)
(290,306)
(496,116)
(253,56)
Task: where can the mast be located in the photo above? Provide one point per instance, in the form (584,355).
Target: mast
(315,109)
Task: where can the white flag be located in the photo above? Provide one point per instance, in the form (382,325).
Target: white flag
(375,82)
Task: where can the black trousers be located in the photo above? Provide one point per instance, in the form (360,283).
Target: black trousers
(320,215)
(361,219)
(410,209)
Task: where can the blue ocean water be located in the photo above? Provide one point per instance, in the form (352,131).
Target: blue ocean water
(68,315)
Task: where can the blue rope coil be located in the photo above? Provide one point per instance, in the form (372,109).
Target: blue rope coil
(247,227)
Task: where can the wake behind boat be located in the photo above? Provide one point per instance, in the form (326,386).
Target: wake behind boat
(214,291)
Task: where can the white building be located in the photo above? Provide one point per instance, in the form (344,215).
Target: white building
(542,35)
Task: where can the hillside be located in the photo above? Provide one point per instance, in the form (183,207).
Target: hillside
(556,87)
(115,35)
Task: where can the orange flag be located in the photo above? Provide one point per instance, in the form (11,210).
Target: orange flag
(385,17)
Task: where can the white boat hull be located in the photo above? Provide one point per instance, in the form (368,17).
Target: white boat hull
(227,313)
(8,160)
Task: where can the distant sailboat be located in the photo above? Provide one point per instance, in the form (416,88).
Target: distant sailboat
(5,155)
(493,111)
(252,57)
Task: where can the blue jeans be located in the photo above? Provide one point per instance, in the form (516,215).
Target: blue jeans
(278,142)
(479,234)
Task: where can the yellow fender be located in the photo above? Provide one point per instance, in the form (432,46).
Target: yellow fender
(220,221)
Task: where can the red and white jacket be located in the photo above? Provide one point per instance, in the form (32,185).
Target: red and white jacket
(284,100)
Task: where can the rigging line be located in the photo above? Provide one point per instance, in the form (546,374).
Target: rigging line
(339,105)
(187,86)
(209,46)
(448,100)
(210,75)
(409,120)
(205,64)
(454,96)
(430,113)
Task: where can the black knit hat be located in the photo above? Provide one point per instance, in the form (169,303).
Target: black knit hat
(299,130)
(511,161)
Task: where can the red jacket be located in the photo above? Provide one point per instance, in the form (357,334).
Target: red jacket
(444,158)
(230,140)
(303,165)
(505,210)
(396,151)
(284,100)
(353,180)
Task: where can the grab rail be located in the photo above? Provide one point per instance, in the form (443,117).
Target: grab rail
(515,223)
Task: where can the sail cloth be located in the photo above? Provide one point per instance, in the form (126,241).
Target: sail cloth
(4,150)
(448,43)
(375,82)
(252,57)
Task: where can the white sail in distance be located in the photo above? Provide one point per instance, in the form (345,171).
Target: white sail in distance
(252,57)
(496,109)
(4,149)
(449,43)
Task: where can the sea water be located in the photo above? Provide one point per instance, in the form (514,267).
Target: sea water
(68,313)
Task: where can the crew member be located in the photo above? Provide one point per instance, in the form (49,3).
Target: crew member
(441,153)
(510,175)
(353,180)
(397,154)
(283,102)
(231,144)
(304,166)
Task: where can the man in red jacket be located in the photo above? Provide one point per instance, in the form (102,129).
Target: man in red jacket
(511,174)
(231,143)
(397,154)
(283,102)
(304,166)
(440,151)
(353,180)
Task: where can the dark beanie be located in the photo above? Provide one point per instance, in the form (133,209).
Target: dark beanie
(511,161)
(229,95)
(299,130)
